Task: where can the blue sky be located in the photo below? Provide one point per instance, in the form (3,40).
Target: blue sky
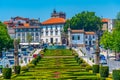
(43,8)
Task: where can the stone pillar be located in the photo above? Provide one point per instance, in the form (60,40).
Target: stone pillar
(69,37)
(97,52)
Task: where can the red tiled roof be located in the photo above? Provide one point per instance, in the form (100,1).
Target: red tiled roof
(54,21)
(77,31)
(90,33)
(105,20)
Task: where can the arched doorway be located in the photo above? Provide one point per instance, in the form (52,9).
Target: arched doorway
(64,41)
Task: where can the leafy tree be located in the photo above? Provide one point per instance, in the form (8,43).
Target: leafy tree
(106,40)
(29,38)
(84,20)
(5,40)
(112,40)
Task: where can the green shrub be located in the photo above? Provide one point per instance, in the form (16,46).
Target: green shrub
(38,58)
(44,50)
(104,71)
(116,74)
(76,57)
(95,68)
(93,60)
(31,65)
(17,69)
(34,62)
(88,68)
(24,68)
(83,64)
(70,48)
(80,61)
(7,72)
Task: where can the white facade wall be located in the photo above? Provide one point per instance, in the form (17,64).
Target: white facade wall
(51,31)
(76,41)
(90,39)
(23,36)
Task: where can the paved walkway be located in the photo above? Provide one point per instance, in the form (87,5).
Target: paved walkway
(110,62)
(85,58)
(29,58)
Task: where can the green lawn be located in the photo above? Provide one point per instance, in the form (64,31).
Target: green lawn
(60,68)
(58,52)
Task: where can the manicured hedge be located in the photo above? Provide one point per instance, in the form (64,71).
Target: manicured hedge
(24,68)
(17,69)
(34,62)
(116,74)
(104,71)
(76,57)
(88,68)
(95,68)
(7,72)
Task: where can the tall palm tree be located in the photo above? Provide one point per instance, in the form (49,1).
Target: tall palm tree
(16,45)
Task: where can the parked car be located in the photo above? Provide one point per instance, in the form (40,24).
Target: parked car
(103,59)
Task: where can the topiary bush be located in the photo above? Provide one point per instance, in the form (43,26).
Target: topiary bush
(95,68)
(38,58)
(31,65)
(80,61)
(7,73)
(34,61)
(17,69)
(116,74)
(104,71)
(88,68)
(76,57)
(83,65)
(24,68)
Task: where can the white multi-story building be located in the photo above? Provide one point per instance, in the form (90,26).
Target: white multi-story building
(81,38)
(108,24)
(23,31)
(90,38)
(51,30)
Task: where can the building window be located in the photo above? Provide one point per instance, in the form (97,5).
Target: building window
(93,42)
(51,33)
(55,27)
(86,42)
(18,34)
(86,36)
(73,38)
(78,37)
(46,28)
(56,40)
(56,32)
(37,39)
(36,34)
(93,36)
(23,34)
(32,34)
(51,28)
(29,29)
(46,40)
(41,33)
(46,33)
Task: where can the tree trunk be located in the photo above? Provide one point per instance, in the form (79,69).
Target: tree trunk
(16,59)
